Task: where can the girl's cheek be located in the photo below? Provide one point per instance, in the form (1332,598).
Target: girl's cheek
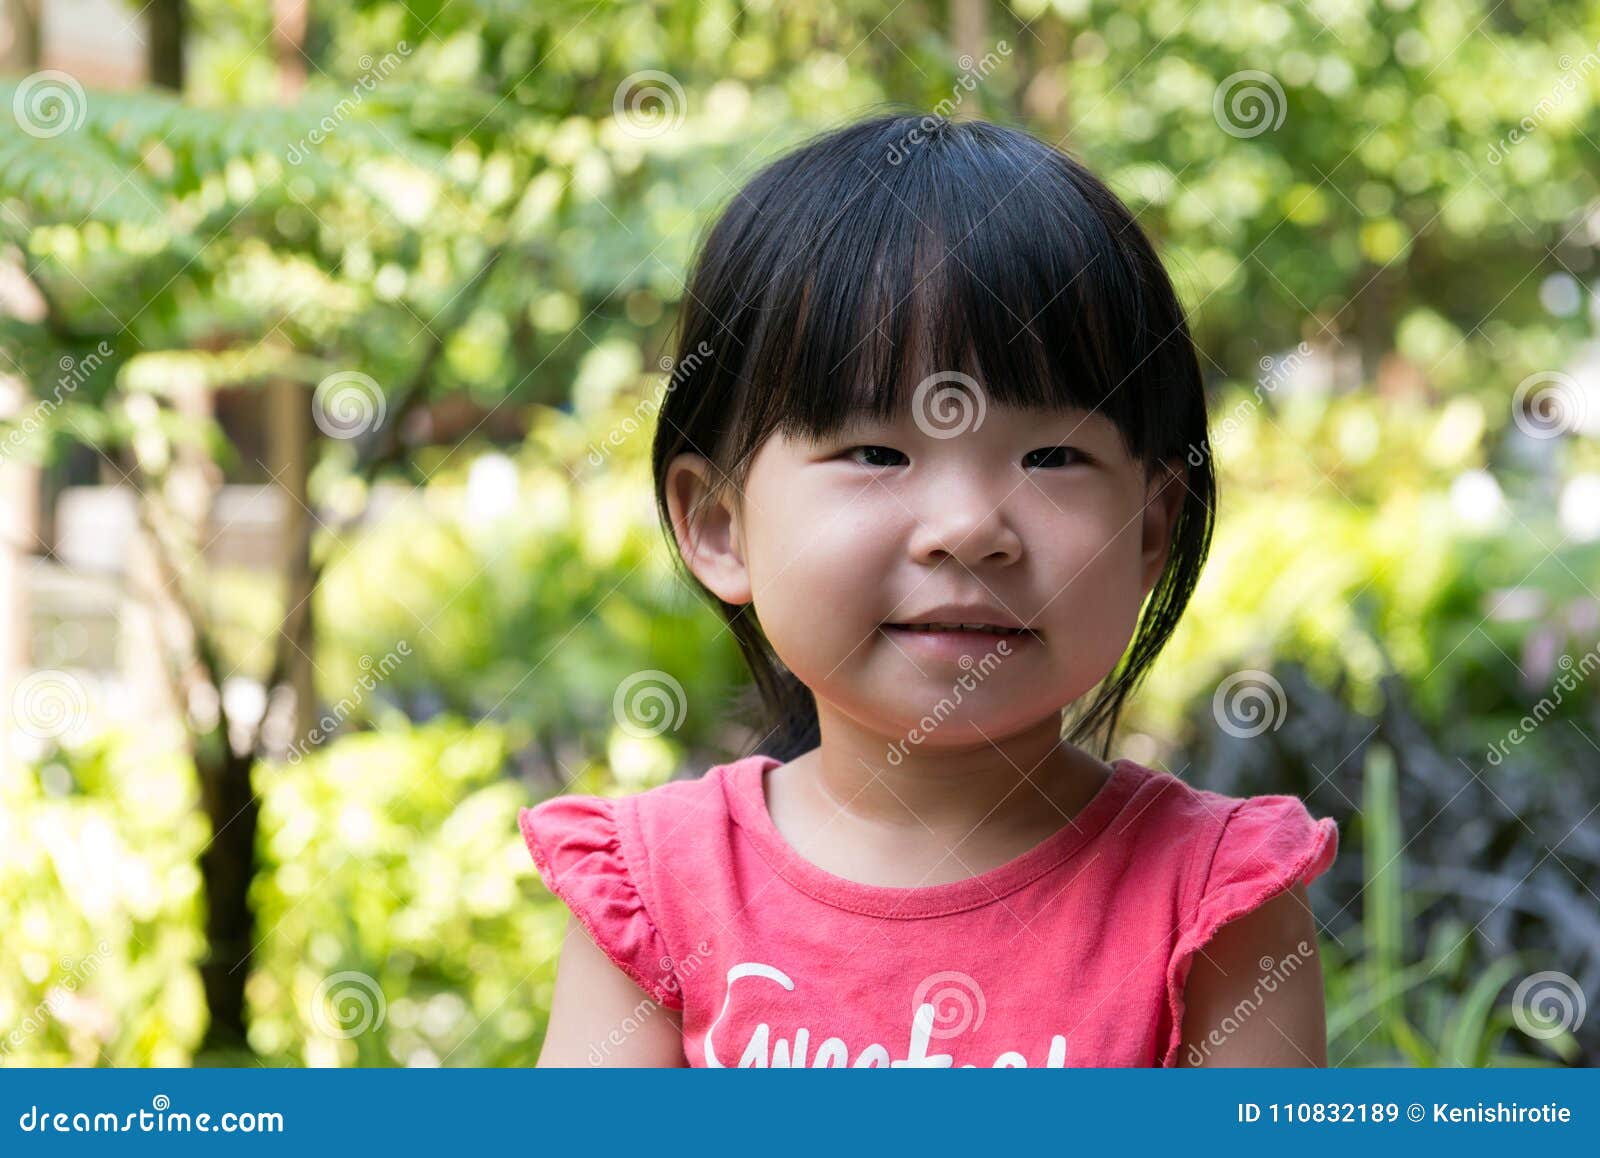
(832,529)
(866,531)
(809,575)
(1099,592)
(1089,541)
(800,535)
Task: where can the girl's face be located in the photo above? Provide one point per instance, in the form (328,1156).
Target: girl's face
(1035,519)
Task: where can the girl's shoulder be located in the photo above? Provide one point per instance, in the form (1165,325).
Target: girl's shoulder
(619,862)
(1216,857)
(1229,852)
(686,810)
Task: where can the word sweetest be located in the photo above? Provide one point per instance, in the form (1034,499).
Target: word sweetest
(834,1053)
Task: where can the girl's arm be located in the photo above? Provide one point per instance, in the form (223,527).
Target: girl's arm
(599,1017)
(1230,1017)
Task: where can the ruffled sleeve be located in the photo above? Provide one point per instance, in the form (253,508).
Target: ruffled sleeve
(1267,845)
(578,847)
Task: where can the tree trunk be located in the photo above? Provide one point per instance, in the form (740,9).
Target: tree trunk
(26,38)
(289,460)
(227,865)
(167,26)
(969,33)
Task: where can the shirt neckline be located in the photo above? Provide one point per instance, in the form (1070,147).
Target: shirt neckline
(748,806)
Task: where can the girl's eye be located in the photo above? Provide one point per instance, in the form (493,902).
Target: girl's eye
(1052,456)
(879,451)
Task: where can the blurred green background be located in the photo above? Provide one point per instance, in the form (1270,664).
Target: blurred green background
(330,341)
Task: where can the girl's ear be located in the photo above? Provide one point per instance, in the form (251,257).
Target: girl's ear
(706,525)
(1163,502)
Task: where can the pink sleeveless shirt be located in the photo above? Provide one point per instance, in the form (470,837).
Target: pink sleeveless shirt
(1073,954)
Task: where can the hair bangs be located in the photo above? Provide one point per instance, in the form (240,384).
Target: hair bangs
(975,262)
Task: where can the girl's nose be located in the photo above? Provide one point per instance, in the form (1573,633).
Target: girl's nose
(969,526)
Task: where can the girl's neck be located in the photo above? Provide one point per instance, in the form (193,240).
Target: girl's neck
(996,794)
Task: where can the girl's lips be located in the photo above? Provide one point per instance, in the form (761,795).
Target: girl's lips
(954,645)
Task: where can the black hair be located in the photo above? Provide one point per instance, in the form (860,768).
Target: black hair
(850,269)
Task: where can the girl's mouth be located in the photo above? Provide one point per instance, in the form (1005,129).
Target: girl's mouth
(963,628)
(962,643)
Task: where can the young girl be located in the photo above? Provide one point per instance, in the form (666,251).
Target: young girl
(936,450)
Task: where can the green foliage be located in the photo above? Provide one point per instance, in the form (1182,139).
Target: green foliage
(397,871)
(530,592)
(1374,993)
(99,897)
